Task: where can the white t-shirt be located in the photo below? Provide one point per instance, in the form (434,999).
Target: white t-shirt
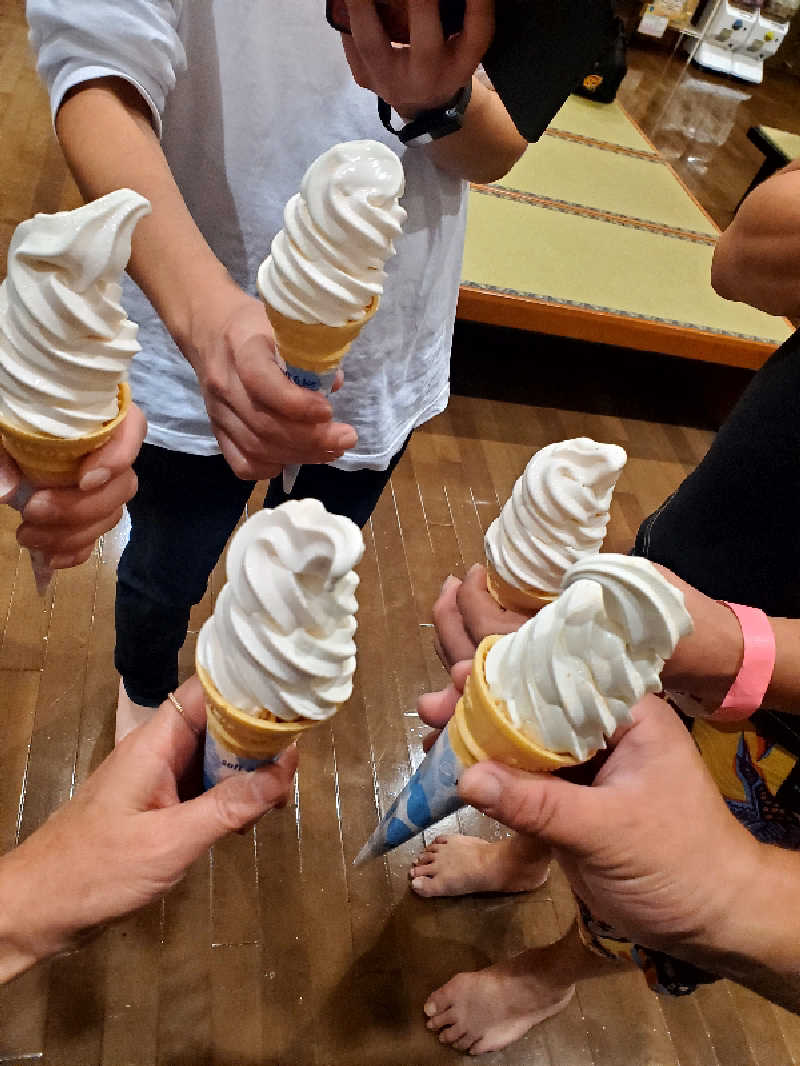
(246,93)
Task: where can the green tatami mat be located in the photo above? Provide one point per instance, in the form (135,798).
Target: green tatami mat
(600,122)
(539,253)
(636,187)
(787,143)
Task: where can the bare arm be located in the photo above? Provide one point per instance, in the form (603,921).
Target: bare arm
(428,73)
(260,419)
(757,258)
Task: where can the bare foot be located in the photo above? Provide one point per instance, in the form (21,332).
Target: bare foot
(490,1009)
(457,865)
(130,715)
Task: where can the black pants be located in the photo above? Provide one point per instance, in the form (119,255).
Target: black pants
(181,517)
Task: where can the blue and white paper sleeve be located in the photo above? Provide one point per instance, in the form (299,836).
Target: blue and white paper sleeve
(306,379)
(219,762)
(430,795)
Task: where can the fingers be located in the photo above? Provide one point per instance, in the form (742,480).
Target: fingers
(116,457)
(436,708)
(481,614)
(571,817)
(270,390)
(233,804)
(453,643)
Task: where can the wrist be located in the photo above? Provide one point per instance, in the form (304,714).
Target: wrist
(707,662)
(211,308)
(23,941)
(753,929)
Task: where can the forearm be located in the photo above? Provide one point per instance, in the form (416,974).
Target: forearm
(756,939)
(28,932)
(757,258)
(488,144)
(107,138)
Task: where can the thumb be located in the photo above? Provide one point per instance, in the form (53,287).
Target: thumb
(269,388)
(234,803)
(566,816)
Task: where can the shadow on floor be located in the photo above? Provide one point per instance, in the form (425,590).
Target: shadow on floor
(517,366)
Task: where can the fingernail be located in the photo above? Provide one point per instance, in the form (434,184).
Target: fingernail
(473,568)
(429,1009)
(446,583)
(94,479)
(8,482)
(481,788)
(346,440)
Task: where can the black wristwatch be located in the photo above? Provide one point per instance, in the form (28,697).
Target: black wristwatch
(436,123)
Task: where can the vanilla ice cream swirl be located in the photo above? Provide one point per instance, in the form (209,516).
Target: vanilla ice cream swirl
(65,340)
(570,676)
(281,635)
(326,264)
(557,512)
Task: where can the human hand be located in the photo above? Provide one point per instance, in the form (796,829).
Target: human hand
(465,613)
(650,846)
(261,419)
(125,838)
(63,524)
(427,72)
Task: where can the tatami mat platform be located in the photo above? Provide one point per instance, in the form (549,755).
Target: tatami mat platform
(593,236)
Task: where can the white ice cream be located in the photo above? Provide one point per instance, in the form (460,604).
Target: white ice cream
(570,676)
(326,264)
(556,514)
(281,635)
(65,340)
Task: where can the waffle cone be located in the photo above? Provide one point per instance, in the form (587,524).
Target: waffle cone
(244,734)
(526,601)
(481,729)
(312,345)
(45,460)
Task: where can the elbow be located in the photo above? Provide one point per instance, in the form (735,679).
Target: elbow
(495,168)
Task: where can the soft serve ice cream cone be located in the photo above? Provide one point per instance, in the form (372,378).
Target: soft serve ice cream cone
(557,513)
(65,340)
(277,656)
(549,695)
(323,278)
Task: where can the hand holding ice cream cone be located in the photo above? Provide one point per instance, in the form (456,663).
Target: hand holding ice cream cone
(323,278)
(549,695)
(65,345)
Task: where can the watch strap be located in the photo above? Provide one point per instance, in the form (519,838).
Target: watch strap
(436,123)
(758,663)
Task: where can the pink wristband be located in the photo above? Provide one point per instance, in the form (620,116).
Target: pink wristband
(758,662)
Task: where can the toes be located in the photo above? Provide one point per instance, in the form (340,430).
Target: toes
(425,857)
(466,1043)
(423,886)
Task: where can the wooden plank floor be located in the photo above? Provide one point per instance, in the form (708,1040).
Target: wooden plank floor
(274,950)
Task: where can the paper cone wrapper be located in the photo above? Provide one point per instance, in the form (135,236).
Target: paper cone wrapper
(524,601)
(479,729)
(236,741)
(52,461)
(312,346)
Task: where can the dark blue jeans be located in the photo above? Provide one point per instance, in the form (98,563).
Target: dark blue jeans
(185,509)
